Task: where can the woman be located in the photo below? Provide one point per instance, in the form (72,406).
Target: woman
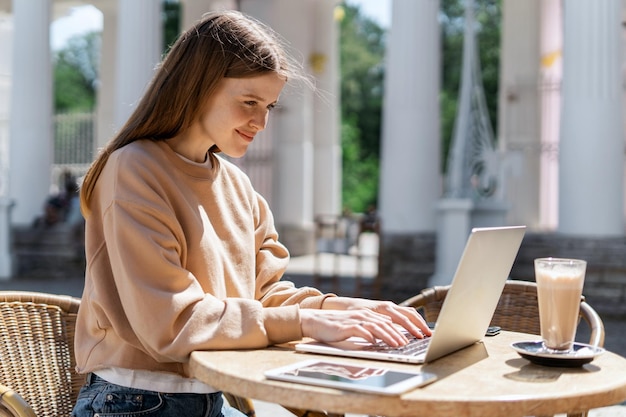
(182,253)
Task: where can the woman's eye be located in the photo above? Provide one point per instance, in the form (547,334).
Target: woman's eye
(252,103)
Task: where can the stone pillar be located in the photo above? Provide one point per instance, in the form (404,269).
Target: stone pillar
(6,40)
(591,153)
(410,174)
(551,75)
(139,48)
(293,124)
(518,117)
(31,110)
(6,51)
(453,227)
(105,112)
(327,110)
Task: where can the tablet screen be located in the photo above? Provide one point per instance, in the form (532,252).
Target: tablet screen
(350,376)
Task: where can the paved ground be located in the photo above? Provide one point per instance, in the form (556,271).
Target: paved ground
(300,272)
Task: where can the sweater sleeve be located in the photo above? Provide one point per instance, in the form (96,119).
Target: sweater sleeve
(155,303)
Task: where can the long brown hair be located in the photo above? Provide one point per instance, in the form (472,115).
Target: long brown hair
(222,44)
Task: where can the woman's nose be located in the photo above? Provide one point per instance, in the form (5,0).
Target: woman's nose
(259,120)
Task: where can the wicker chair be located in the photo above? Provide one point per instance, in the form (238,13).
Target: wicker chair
(11,404)
(37,365)
(517,310)
(37,351)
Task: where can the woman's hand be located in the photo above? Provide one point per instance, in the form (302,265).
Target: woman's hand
(337,325)
(343,317)
(406,317)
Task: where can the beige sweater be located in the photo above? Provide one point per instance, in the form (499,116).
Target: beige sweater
(180,258)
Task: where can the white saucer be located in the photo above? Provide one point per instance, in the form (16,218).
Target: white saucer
(535,352)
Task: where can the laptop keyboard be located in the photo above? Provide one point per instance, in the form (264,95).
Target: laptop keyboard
(413,348)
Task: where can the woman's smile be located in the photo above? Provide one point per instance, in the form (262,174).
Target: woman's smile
(246,136)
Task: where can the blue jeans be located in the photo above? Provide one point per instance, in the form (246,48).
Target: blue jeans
(102,398)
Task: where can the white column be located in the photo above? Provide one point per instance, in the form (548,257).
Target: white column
(31,110)
(105,111)
(551,75)
(6,41)
(139,47)
(518,115)
(6,51)
(410,181)
(453,227)
(293,124)
(591,153)
(327,110)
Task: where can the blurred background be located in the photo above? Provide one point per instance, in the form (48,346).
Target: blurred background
(429,118)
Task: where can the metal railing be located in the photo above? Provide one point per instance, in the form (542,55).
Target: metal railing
(74,145)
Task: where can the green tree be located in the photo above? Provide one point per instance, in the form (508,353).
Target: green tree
(171,22)
(76,65)
(362,71)
(76,73)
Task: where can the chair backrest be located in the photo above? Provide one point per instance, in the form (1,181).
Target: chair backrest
(517,310)
(37,350)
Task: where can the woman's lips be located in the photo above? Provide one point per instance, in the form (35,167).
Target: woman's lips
(247,136)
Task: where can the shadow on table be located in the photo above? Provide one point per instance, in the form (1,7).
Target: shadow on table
(528,372)
(471,355)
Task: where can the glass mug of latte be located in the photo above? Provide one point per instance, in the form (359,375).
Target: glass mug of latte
(559,290)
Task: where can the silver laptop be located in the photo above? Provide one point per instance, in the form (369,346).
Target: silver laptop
(467,310)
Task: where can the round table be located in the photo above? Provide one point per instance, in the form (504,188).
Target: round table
(487,379)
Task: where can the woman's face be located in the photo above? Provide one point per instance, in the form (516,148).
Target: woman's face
(237,111)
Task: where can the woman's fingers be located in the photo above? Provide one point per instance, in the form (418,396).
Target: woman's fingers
(388,333)
(412,321)
(336,325)
(407,317)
